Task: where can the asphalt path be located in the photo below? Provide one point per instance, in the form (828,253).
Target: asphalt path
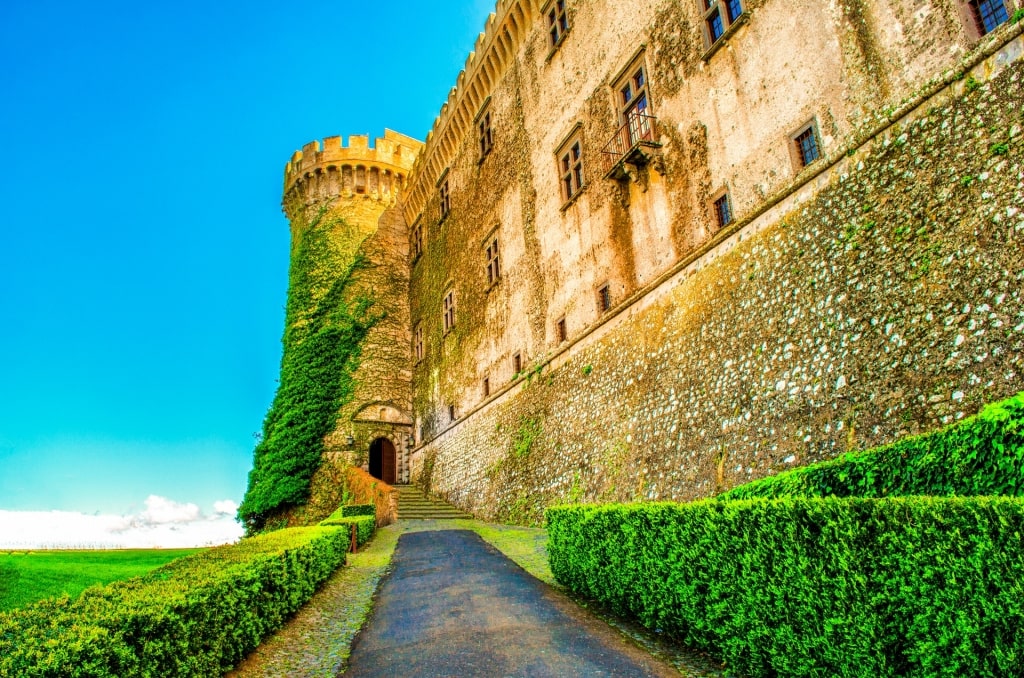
(453,605)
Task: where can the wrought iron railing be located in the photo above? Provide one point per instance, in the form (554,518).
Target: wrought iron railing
(638,131)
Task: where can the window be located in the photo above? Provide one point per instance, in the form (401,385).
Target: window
(633,105)
(486,134)
(446,198)
(417,342)
(806,142)
(988,14)
(493,266)
(604,298)
(570,166)
(719,16)
(487,386)
(517,364)
(449,311)
(417,240)
(451,413)
(723,210)
(558,22)
(560,332)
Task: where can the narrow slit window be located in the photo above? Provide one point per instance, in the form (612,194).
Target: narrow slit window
(487,386)
(486,135)
(451,413)
(418,342)
(560,330)
(517,364)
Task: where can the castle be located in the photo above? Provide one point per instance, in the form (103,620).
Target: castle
(657,249)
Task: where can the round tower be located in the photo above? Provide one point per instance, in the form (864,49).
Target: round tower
(349,193)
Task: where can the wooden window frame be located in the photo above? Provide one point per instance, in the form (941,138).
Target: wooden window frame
(571,168)
(493,258)
(604,298)
(798,149)
(722,217)
(485,131)
(448,310)
(417,343)
(556,21)
(729,20)
(561,332)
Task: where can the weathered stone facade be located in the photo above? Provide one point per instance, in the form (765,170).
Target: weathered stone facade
(634,343)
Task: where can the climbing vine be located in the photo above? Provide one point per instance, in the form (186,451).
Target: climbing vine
(326,320)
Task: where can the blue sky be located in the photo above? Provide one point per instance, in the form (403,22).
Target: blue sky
(143,253)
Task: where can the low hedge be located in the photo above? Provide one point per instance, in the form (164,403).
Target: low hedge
(365,525)
(353,510)
(916,586)
(197,616)
(982,455)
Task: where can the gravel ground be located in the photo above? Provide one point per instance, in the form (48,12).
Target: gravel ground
(317,641)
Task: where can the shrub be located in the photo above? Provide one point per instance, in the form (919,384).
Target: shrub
(916,586)
(369,490)
(365,525)
(981,455)
(197,616)
(353,510)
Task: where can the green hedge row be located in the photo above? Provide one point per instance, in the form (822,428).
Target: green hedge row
(917,586)
(197,616)
(365,525)
(353,510)
(979,456)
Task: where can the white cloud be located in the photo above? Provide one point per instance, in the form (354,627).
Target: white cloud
(163,524)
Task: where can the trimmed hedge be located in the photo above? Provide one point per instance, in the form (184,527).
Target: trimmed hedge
(353,510)
(982,455)
(365,525)
(918,586)
(197,616)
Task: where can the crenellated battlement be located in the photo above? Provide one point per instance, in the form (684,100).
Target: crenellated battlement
(334,168)
(505,31)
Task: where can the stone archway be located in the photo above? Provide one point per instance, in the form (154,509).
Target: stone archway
(383,460)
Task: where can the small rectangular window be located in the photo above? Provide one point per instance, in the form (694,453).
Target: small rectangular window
(558,22)
(719,15)
(517,364)
(487,386)
(988,14)
(449,311)
(446,199)
(493,263)
(560,332)
(417,240)
(604,298)
(417,342)
(451,413)
(486,134)
(723,211)
(570,167)
(807,150)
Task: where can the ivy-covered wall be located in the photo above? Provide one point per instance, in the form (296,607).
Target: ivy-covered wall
(888,303)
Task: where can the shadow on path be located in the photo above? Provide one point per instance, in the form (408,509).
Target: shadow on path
(454,605)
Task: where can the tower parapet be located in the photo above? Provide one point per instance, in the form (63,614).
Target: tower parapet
(334,169)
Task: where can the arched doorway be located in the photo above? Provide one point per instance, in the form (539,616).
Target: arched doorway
(382,460)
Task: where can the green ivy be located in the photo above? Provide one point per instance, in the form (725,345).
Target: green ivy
(326,321)
(981,455)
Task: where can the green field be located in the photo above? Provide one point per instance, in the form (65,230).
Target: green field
(26,577)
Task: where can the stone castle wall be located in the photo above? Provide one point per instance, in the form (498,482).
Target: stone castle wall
(881,298)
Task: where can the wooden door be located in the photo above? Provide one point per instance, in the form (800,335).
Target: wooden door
(389,462)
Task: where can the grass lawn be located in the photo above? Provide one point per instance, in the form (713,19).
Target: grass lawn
(28,576)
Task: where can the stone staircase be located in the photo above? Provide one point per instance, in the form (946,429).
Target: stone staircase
(414,505)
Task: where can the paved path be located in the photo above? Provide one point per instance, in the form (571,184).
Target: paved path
(453,605)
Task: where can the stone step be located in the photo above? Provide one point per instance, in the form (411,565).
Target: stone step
(414,505)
